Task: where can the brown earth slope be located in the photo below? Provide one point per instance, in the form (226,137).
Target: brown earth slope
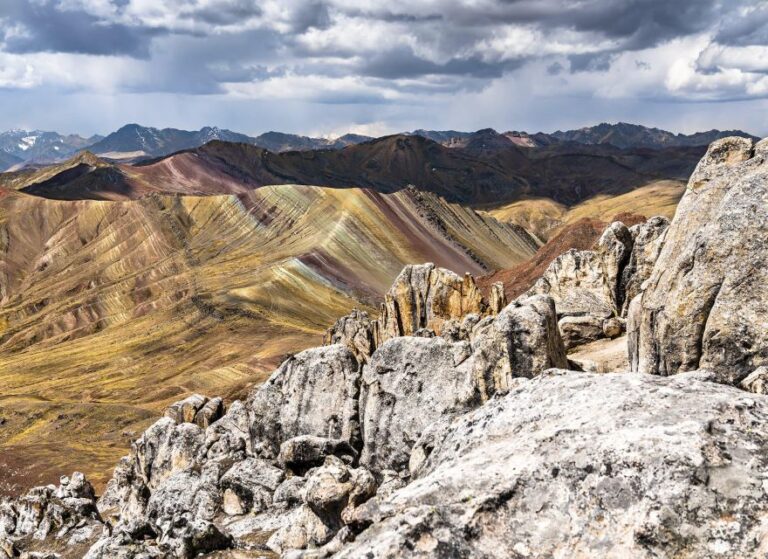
(111,310)
(486,173)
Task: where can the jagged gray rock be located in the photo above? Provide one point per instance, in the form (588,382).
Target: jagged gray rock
(312,393)
(498,298)
(704,306)
(330,494)
(356,331)
(64,516)
(522,341)
(411,382)
(585,465)
(647,242)
(593,286)
(587,282)
(249,485)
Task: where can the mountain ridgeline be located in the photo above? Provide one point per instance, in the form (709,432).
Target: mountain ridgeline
(134,142)
(482,172)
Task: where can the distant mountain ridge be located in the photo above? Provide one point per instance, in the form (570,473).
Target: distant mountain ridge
(17,146)
(625,135)
(489,169)
(137,139)
(621,135)
(134,142)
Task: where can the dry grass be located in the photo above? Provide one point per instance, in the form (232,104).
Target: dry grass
(111,310)
(545,217)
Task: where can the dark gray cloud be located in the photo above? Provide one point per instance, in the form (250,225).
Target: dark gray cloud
(227,14)
(745,30)
(396,53)
(403,63)
(589,62)
(47,29)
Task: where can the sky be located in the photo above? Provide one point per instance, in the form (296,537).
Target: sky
(327,67)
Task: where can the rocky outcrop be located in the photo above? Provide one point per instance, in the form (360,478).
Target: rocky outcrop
(312,393)
(587,282)
(412,382)
(61,516)
(704,305)
(425,296)
(591,287)
(290,467)
(584,465)
(424,300)
(356,331)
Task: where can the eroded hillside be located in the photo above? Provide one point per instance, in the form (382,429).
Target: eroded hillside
(111,310)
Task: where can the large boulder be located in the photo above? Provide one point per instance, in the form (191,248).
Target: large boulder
(705,305)
(585,465)
(409,383)
(166,448)
(522,341)
(312,393)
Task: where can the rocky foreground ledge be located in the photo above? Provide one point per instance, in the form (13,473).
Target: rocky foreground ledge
(456,427)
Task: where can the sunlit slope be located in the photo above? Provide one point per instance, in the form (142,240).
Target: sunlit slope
(111,310)
(543,216)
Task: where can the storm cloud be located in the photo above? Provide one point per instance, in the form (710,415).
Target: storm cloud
(407,54)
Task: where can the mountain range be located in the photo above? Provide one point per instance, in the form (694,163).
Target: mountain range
(134,142)
(487,170)
(200,270)
(17,146)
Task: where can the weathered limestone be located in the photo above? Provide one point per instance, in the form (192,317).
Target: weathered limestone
(587,282)
(594,287)
(356,331)
(411,382)
(522,341)
(312,393)
(329,497)
(647,242)
(425,296)
(704,305)
(498,299)
(585,465)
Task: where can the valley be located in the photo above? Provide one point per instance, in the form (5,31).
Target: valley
(111,310)
(126,286)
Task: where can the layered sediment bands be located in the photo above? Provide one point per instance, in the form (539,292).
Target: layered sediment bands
(111,310)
